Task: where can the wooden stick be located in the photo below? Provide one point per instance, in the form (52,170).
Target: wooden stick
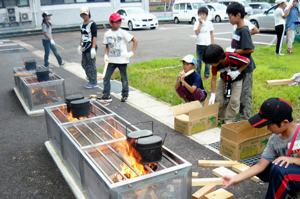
(278,82)
(219,194)
(203,191)
(216,163)
(199,182)
(195,174)
(222,171)
(23,74)
(242,167)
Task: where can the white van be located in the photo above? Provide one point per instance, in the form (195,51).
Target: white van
(187,11)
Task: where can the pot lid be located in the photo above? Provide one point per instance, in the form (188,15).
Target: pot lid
(80,102)
(74,97)
(139,134)
(151,140)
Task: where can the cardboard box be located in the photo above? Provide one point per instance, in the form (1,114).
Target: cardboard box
(240,140)
(192,117)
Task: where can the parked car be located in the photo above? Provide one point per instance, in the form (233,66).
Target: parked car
(137,18)
(260,7)
(264,21)
(218,12)
(248,9)
(187,11)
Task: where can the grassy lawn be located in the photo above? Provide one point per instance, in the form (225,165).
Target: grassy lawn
(157,77)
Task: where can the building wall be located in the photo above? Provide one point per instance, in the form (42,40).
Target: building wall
(68,15)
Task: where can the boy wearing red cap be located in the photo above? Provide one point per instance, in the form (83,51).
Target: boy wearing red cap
(280,162)
(117,55)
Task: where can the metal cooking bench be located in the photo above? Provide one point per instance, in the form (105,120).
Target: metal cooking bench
(34,95)
(90,155)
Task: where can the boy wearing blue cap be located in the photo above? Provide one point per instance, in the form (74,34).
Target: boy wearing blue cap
(189,85)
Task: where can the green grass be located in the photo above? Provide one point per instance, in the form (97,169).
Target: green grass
(157,77)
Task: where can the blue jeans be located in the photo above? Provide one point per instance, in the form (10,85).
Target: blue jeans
(282,181)
(106,82)
(47,47)
(200,49)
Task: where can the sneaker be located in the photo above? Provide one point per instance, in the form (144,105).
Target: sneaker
(104,99)
(91,86)
(280,54)
(124,99)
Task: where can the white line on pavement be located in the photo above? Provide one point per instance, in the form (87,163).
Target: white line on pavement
(10,49)
(6,45)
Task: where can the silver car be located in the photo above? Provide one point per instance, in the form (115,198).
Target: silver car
(260,7)
(264,21)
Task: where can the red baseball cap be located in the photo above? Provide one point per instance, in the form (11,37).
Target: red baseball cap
(273,110)
(115,17)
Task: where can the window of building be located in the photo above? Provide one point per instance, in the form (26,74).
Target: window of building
(55,2)
(130,1)
(23,3)
(12,3)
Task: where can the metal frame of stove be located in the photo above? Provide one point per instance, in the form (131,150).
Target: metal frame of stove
(86,178)
(20,89)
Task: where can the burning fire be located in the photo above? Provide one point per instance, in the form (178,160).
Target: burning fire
(69,115)
(132,157)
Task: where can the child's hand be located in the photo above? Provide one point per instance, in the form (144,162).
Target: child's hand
(182,78)
(228,181)
(282,160)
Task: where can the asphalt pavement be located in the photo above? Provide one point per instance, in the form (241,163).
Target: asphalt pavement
(27,170)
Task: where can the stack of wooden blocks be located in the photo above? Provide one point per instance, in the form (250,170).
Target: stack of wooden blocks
(209,185)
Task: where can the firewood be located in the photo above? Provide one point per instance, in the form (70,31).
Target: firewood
(223,171)
(23,74)
(216,163)
(278,82)
(203,191)
(219,194)
(195,174)
(199,182)
(242,167)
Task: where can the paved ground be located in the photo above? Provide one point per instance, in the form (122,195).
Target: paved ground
(27,171)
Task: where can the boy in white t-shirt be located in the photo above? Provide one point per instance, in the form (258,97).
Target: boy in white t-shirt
(204,31)
(117,56)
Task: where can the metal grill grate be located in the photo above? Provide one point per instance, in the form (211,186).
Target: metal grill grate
(249,161)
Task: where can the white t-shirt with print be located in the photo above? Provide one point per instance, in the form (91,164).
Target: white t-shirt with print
(278,16)
(203,38)
(117,41)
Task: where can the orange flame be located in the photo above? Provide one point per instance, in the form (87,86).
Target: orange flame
(132,157)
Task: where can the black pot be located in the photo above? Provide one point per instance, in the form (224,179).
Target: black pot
(71,98)
(133,136)
(42,75)
(80,108)
(150,148)
(30,65)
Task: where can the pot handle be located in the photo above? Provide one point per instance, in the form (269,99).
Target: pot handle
(131,125)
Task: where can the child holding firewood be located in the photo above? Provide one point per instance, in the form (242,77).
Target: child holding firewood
(280,162)
(189,84)
(231,67)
